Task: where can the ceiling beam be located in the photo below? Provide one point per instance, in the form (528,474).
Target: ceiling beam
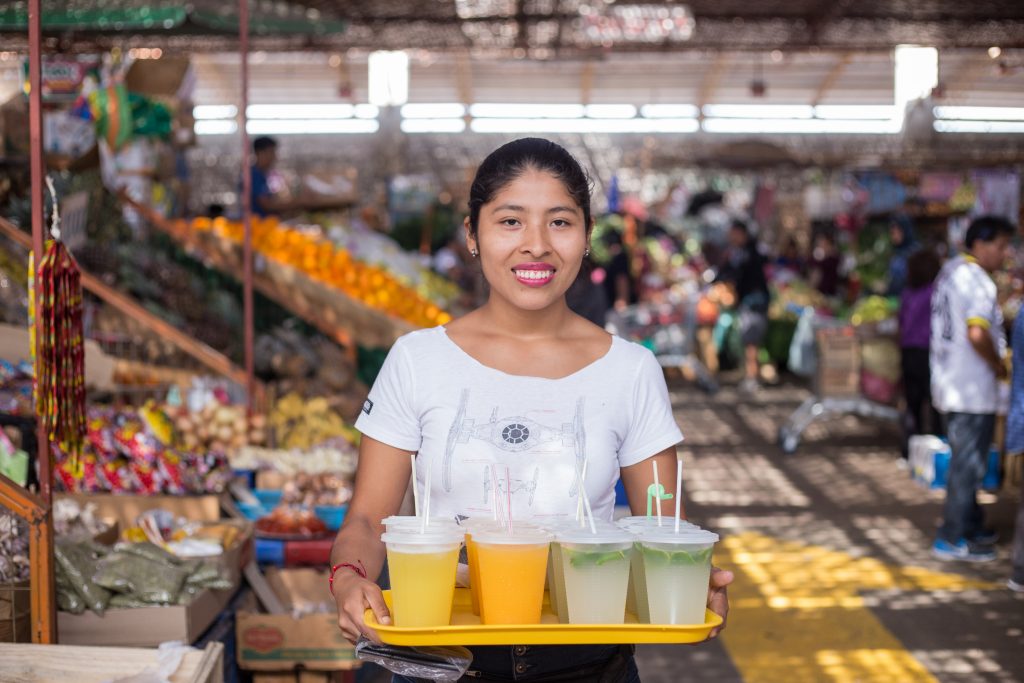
(712,77)
(586,82)
(464,78)
(832,77)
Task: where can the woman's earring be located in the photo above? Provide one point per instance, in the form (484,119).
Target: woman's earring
(587,252)
(475,253)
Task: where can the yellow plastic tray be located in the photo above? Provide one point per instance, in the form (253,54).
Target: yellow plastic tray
(466,629)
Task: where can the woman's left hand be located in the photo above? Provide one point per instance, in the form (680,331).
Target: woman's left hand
(718,599)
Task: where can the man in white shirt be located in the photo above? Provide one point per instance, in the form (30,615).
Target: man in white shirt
(968,346)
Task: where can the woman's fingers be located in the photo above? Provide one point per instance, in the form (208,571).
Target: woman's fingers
(718,597)
(375,599)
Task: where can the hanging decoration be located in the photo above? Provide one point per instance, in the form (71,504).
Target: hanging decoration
(59,357)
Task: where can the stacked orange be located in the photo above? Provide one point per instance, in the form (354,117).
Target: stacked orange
(326,263)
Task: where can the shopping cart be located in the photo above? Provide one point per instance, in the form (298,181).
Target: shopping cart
(669,329)
(837,378)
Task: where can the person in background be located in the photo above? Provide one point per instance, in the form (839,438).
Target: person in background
(790,259)
(744,270)
(823,268)
(915,333)
(587,298)
(265,201)
(618,280)
(968,345)
(1015,446)
(901,235)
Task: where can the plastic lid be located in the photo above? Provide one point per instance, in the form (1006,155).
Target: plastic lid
(474,524)
(684,537)
(644,522)
(430,537)
(585,536)
(521,536)
(412,520)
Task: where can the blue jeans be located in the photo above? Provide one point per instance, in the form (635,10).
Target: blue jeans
(539,662)
(970,437)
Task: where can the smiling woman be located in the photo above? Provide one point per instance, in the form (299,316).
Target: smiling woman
(521,385)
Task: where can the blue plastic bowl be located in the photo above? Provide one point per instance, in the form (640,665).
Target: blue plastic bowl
(270,498)
(270,552)
(332,515)
(252,510)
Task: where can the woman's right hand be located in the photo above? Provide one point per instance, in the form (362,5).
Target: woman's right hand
(353,595)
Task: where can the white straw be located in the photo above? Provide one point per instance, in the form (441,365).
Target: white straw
(508,492)
(657,490)
(426,497)
(415,488)
(498,516)
(679,488)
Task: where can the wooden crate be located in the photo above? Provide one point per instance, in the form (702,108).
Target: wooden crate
(15,613)
(37,663)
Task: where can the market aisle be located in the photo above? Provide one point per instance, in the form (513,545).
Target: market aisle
(831,549)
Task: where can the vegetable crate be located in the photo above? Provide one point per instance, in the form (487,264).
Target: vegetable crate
(838,379)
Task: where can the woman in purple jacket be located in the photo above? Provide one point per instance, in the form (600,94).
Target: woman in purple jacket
(915,329)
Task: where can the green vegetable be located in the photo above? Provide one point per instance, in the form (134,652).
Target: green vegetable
(676,557)
(582,558)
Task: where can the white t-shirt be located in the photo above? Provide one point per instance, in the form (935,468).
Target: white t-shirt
(479,429)
(964,296)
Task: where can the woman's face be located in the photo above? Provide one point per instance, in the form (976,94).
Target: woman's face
(531,239)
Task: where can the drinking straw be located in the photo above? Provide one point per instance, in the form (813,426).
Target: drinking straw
(426,501)
(508,492)
(657,489)
(585,498)
(679,487)
(497,502)
(415,488)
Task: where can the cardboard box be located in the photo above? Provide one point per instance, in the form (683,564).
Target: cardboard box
(150,626)
(127,508)
(279,642)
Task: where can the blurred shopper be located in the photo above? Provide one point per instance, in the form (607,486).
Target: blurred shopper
(744,270)
(789,258)
(968,344)
(901,235)
(823,268)
(271,198)
(915,332)
(620,289)
(1015,446)
(587,298)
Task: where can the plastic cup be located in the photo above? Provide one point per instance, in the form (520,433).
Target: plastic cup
(422,568)
(512,569)
(472,526)
(636,598)
(595,574)
(413,523)
(676,570)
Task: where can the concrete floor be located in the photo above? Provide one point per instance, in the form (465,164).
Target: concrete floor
(830,545)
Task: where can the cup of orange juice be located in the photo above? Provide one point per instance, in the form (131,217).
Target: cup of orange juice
(512,568)
(422,568)
(476,526)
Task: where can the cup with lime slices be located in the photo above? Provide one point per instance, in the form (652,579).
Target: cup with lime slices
(676,571)
(595,574)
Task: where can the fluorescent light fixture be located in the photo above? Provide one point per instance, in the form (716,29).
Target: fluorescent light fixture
(669,111)
(202,112)
(759,111)
(433,110)
(300,111)
(916,75)
(216,127)
(584,125)
(527,111)
(800,126)
(980,113)
(388,78)
(367,111)
(611,111)
(979,126)
(433,125)
(311,126)
(857,112)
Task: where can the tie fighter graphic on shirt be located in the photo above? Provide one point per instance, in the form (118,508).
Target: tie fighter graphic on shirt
(513,434)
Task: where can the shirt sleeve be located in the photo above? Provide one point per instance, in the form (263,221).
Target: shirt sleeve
(980,298)
(652,426)
(389,415)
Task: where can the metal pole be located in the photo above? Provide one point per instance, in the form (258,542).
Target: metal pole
(43,615)
(247,300)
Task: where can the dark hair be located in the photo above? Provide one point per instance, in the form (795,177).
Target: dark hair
(987,229)
(922,268)
(263,142)
(508,162)
(737,224)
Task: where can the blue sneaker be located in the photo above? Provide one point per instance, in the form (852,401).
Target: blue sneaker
(986,537)
(962,550)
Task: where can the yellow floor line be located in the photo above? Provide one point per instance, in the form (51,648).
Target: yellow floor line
(797,615)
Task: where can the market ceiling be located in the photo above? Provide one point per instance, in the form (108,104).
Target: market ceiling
(548,29)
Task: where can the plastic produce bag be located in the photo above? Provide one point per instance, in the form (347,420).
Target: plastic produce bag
(151,582)
(208,575)
(67,599)
(429,663)
(147,551)
(803,356)
(78,562)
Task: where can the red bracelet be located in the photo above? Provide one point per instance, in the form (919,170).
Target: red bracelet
(358,570)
